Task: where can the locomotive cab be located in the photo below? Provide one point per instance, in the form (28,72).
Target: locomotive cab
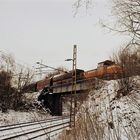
(105,63)
(102,68)
(103,71)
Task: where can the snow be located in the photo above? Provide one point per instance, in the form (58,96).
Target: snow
(34,114)
(12,117)
(34,130)
(27,115)
(119,116)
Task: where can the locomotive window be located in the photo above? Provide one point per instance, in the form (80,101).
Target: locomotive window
(105,63)
(108,63)
(101,65)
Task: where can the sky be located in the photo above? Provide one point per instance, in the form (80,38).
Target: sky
(46,30)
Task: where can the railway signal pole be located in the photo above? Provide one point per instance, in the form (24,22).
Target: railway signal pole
(73,92)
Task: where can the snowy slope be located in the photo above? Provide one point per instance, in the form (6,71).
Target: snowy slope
(108,113)
(119,117)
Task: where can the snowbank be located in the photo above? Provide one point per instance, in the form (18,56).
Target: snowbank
(119,117)
(12,117)
(34,112)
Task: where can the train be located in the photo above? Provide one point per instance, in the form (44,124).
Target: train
(49,87)
(106,70)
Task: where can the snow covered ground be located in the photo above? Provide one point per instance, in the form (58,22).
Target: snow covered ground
(12,117)
(36,113)
(119,115)
(36,130)
(107,116)
(114,117)
(33,114)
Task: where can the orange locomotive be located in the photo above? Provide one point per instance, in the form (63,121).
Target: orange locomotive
(105,70)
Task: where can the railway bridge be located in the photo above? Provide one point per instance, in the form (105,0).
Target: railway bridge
(53,95)
(74,82)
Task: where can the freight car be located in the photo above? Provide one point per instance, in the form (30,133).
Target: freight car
(59,79)
(105,70)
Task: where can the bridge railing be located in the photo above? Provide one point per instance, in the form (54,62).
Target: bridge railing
(84,84)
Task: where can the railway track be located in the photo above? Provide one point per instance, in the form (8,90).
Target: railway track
(42,130)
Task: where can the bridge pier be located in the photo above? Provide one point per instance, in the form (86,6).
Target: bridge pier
(54,103)
(57,105)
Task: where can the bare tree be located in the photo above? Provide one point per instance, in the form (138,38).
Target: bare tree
(12,81)
(6,71)
(7,62)
(5,90)
(129,59)
(128,14)
(82,3)
(24,78)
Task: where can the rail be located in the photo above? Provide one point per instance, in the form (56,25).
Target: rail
(34,130)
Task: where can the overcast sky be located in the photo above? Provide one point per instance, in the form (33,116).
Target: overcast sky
(34,30)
